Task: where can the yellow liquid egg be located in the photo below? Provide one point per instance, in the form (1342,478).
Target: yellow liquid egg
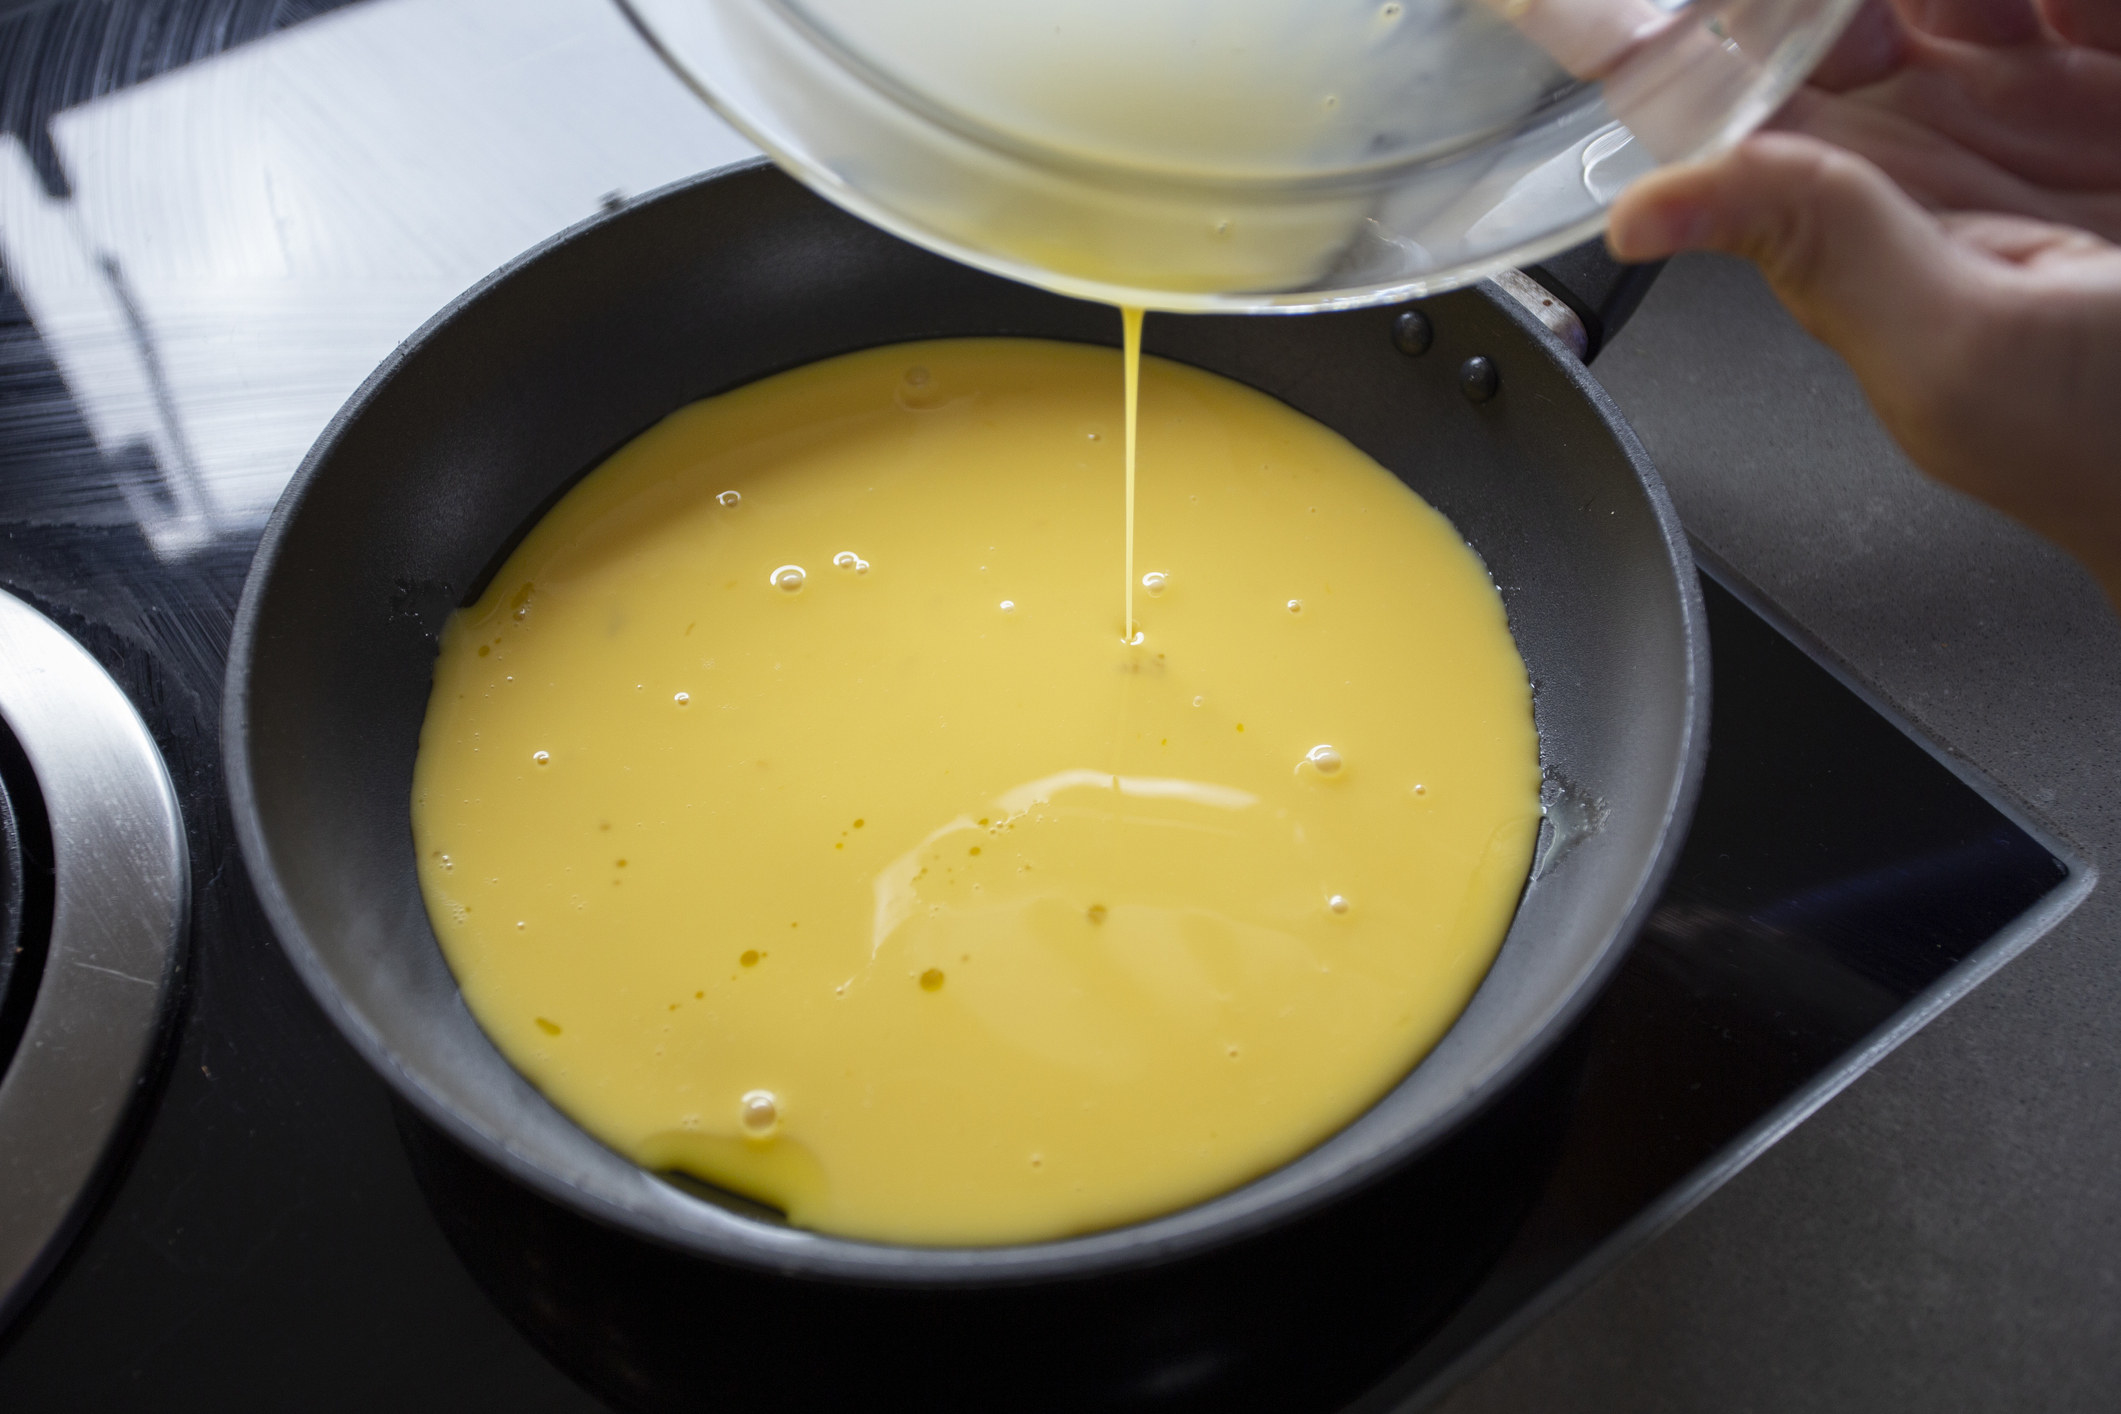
(794,814)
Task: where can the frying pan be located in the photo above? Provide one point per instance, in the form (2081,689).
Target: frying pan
(476,425)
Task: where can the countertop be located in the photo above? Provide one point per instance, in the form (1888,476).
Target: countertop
(1946,1233)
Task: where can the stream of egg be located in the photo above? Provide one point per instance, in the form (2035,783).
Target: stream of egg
(1130,356)
(791,816)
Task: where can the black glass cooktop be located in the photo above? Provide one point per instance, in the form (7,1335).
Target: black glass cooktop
(213,221)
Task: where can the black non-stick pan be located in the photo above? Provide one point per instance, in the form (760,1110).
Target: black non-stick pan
(472,428)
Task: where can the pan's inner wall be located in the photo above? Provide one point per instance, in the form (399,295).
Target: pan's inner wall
(528,384)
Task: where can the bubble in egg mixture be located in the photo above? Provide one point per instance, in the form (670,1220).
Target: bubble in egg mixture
(1296,606)
(918,390)
(541,757)
(1008,606)
(788,578)
(728,498)
(681,698)
(1155,582)
(846,560)
(1338,903)
(759,1111)
(1323,759)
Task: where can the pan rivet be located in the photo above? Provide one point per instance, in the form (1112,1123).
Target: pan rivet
(1478,380)
(1412,333)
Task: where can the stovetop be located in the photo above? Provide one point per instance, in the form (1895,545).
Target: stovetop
(215,217)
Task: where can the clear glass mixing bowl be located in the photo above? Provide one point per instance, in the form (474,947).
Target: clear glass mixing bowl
(1238,154)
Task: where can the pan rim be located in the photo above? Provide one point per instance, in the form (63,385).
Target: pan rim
(1213,1223)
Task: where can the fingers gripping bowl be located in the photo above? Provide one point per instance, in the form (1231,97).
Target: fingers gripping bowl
(478,424)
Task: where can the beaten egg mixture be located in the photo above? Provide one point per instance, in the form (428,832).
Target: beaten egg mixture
(798,814)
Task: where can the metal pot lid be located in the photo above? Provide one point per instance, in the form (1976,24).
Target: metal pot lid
(100,978)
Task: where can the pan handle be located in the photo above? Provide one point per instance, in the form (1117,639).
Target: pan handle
(1600,291)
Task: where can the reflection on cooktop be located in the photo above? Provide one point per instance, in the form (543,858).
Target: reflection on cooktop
(219,220)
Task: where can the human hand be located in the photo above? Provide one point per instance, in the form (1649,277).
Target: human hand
(1942,208)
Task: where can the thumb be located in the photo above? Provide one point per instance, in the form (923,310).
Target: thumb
(1851,255)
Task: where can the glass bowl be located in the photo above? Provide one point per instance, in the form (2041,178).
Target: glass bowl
(1238,155)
